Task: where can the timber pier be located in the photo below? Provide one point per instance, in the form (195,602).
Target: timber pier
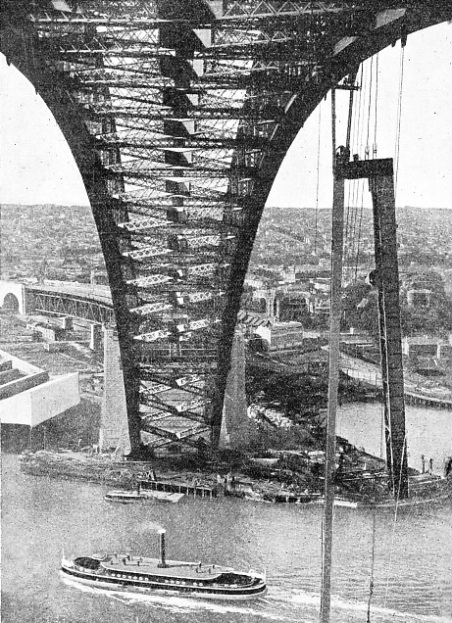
(172,486)
(369,374)
(412,398)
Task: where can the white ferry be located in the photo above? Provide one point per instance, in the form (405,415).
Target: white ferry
(158,575)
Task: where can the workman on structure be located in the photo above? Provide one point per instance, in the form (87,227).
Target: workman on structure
(448,467)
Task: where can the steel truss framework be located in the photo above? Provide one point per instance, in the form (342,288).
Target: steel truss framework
(66,305)
(179,113)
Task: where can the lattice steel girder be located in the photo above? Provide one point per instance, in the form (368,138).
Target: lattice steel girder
(246,142)
(143,201)
(150,281)
(151,308)
(186,174)
(143,219)
(266,9)
(160,113)
(130,78)
(154,387)
(184,436)
(190,382)
(233,12)
(185,408)
(70,306)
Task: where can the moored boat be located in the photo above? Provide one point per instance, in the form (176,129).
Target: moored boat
(161,576)
(128,497)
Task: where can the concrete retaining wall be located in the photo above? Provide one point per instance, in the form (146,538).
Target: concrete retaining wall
(18,385)
(22,365)
(42,402)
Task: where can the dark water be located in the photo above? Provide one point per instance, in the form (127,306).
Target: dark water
(413,562)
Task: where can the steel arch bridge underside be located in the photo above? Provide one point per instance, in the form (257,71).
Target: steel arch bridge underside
(179,113)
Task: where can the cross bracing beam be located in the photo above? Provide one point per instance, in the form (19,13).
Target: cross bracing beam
(179,114)
(143,219)
(187,435)
(160,113)
(234,11)
(185,408)
(232,16)
(164,142)
(266,9)
(152,383)
(185,174)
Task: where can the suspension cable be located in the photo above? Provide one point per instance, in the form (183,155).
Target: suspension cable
(377,76)
(333,126)
(399,118)
(397,498)
(318,180)
(369,107)
(358,186)
(352,186)
(351,122)
(372,567)
(372,104)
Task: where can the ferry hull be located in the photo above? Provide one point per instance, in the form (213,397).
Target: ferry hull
(157,588)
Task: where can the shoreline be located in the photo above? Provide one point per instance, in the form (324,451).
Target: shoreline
(369,488)
(108,471)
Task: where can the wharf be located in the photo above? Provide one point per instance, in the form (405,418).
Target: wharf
(413,398)
(106,471)
(128,475)
(173,486)
(369,373)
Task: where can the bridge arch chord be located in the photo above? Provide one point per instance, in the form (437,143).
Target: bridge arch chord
(179,115)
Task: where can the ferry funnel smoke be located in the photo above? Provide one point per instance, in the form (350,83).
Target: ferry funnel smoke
(153,526)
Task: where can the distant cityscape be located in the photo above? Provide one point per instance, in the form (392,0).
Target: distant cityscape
(291,263)
(300,240)
(61,242)
(287,285)
(49,242)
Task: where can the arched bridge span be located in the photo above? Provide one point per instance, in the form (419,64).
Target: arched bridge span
(179,113)
(78,300)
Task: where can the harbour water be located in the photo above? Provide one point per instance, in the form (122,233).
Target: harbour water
(428,430)
(413,555)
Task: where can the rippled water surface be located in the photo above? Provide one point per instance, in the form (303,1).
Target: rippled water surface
(413,574)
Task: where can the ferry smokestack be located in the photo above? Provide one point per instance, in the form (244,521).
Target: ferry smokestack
(162,562)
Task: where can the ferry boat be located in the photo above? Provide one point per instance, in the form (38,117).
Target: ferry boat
(161,576)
